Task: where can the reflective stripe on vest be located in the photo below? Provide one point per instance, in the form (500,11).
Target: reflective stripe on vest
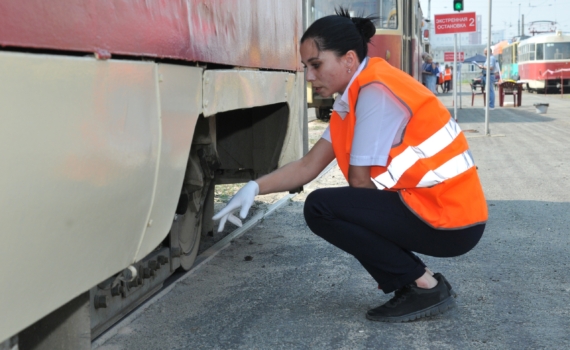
(438,141)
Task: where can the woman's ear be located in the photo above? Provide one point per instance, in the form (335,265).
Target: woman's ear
(350,59)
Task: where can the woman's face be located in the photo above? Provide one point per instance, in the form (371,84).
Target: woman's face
(324,70)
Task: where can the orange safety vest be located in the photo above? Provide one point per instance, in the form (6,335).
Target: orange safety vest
(432,168)
(440,78)
(447,74)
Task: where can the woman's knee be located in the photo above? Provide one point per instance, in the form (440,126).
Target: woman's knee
(313,205)
(316,210)
(462,242)
(472,236)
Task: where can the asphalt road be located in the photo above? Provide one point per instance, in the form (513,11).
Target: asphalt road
(298,292)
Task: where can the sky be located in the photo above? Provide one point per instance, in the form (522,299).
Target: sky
(505,13)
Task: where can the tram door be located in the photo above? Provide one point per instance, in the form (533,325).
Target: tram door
(407,35)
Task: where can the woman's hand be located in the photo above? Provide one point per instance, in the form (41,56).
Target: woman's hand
(244,199)
(290,176)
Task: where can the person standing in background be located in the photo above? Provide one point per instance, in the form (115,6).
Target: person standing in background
(428,73)
(425,73)
(447,78)
(451,79)
(439,78)
(424,55)
(492,64)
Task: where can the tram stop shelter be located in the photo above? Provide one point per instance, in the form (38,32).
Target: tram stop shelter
(477,58)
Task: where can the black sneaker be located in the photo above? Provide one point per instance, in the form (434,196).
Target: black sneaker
(411,302)
(439,276)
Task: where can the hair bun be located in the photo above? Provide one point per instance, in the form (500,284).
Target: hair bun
(365,26)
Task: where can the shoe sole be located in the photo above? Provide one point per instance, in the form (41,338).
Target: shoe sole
(453,294)
(437,309)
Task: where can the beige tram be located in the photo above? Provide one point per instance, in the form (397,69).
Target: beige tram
(117,119)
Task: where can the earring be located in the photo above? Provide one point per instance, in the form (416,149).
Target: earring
(349,70)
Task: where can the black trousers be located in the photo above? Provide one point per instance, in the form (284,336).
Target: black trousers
(379,230)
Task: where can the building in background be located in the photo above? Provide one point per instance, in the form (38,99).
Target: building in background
(475,37)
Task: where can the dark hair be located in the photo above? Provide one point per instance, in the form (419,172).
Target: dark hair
(341,33)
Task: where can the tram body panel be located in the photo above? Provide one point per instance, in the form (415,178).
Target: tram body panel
(78,180)
(509,62)
(387,45)
(180,103)
(538,73)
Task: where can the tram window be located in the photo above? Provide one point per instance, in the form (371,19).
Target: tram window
(385,10)
(388,14)
(521,53)
(539,51)
(507,55)
(557,51)
(530,52)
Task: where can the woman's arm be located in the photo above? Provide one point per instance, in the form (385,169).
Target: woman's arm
(292,175)
(300,172)
(380,122)
(359,177)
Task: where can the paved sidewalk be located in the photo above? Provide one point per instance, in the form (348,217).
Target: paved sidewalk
(299,292)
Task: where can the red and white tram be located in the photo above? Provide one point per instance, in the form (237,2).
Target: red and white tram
(544,61)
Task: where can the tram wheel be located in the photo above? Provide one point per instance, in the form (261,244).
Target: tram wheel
(196,205)
(188,228)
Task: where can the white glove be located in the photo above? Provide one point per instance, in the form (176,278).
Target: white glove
(244,199)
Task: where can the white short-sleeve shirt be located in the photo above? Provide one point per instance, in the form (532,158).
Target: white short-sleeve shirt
(380,122)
